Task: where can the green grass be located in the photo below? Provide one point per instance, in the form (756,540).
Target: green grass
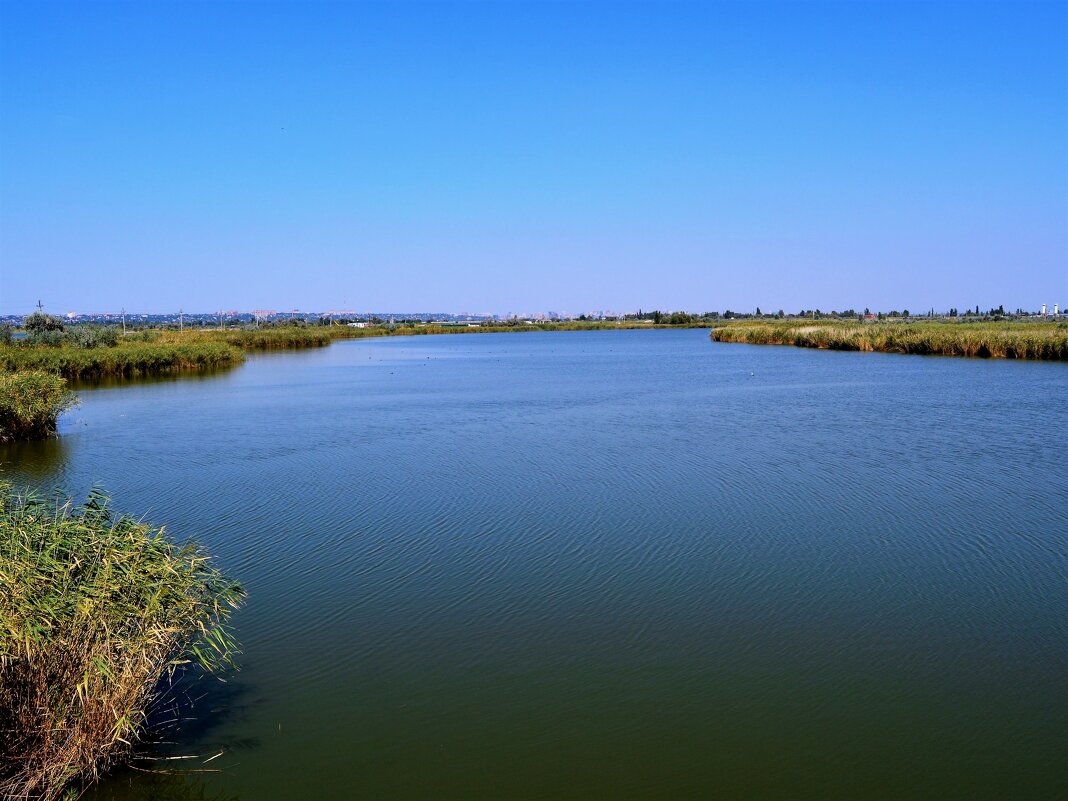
(154,351)
(30,403)
(96,611)
(253,339)
(125,359)
(1001,340)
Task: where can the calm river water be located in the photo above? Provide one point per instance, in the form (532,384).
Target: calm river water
(608,565)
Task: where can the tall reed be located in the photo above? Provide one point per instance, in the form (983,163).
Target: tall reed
(96,611)
(1003,340)
(127,359)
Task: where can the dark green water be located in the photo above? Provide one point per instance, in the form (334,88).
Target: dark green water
(609,565)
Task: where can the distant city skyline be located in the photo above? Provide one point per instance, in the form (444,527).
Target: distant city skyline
(690,156)
(1043,309)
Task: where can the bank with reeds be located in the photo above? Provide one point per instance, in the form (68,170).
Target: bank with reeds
(96,613)
(999,340)
(151,352)
(124,359)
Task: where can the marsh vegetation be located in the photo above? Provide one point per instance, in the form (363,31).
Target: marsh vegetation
(97,612)
(30,403)
(1001,339)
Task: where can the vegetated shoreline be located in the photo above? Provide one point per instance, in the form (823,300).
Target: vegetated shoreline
(1046,341)
(36,375)
(96,612)
(26,413)
(153,351)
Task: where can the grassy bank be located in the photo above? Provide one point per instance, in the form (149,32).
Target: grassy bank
(1001,340)
(344,332)
(151,351)
(124,359)
(30,403)
(95,612)
(252,339)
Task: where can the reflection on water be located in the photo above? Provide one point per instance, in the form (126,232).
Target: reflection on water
(624,565)
(37,460)
(112,381)
(151,780)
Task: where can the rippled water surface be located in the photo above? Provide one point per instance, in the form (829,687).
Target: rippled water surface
(609,565)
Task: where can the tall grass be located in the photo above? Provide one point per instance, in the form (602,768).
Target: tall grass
(157,351)
(1002,340)
(96,611)
(250,339)
(30,403)
(127,359)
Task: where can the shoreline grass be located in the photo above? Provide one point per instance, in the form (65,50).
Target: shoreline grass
(96,612)
(997,340)
(155,351)
(124,359)
(254,339)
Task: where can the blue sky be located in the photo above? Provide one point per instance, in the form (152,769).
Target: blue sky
(502,156)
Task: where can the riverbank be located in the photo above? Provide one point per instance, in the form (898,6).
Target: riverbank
(155,351)
(999,340)
(27,412)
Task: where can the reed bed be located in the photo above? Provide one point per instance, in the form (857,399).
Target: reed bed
(96,613)
(343,332)
(155,351)
(252,339)
(30,403)
(999,340)
(126,359)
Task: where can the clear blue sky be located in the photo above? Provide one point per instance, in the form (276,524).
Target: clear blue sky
(503,157)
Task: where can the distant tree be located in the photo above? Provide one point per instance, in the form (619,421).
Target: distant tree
(867,311)
(657,317)
(5,334)
(758,314)
(38,323)
(905,313)
(781,314)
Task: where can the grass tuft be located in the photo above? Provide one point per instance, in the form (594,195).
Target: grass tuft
(96,612)
(30,403)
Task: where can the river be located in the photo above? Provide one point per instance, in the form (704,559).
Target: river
(607,565)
